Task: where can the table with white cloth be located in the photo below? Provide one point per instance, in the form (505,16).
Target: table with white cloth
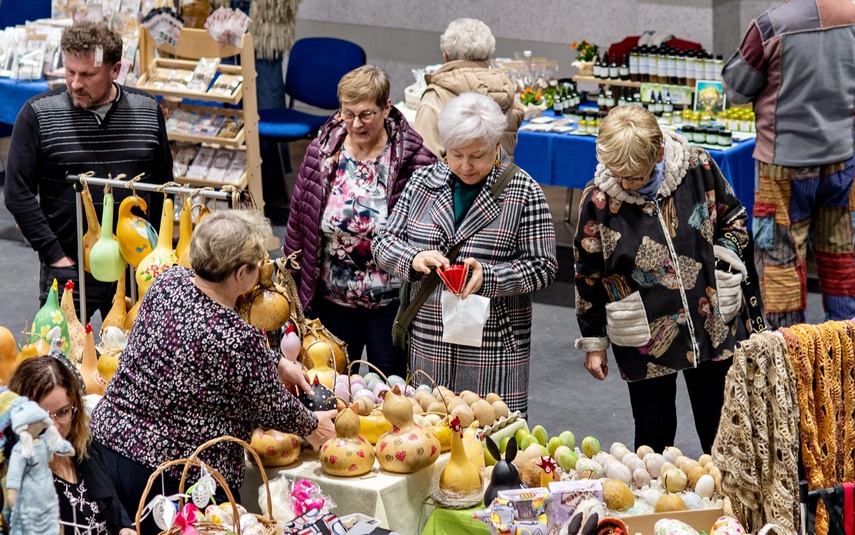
(396,500)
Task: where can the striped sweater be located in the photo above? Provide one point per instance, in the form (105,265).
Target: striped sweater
(52,138)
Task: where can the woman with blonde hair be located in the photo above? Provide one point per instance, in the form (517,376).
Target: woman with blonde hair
(349,182)
(86,493)
(661,264)
(467,45)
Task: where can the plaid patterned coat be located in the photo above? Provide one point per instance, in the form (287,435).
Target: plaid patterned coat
(513,238)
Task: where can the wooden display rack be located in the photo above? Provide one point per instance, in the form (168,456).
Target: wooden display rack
(618,83)
(192,45)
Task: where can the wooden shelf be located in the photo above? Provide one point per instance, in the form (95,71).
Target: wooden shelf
(623,83)
(213,141)
(203,182)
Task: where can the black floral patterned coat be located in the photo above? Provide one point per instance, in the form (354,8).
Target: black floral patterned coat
(646,277)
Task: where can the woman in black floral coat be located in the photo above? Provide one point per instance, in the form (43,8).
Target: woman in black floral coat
(659,273)
(194,370)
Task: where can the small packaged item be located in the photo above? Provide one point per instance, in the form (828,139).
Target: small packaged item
(182,158)
(237,168)
(226,84)
(208,125)
(182,122)
(203,74)
(220,165)
(230,128)
(202,163)
(227,26)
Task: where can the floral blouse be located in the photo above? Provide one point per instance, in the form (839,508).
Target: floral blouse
(355,213)
(193,370)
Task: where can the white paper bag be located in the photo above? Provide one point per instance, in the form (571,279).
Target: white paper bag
(463,319)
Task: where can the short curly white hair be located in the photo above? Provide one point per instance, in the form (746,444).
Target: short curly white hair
(468,39)
(471,117)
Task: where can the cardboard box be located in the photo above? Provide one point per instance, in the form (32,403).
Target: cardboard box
(566,496)
(700,519)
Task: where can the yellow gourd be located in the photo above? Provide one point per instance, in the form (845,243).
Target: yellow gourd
(75,328)
(185,229)
(135,237)
(407,447)
(265,306)
(320,352)
(39,348)
(460,477)
(162,257)
(95,384)
(8,354)
(131,317)
(107,364)
(373,426)
(274,447)
(93,227)
(315,331)
(105,259)
(347,454)
(118,311)
(203,212)
(472,445)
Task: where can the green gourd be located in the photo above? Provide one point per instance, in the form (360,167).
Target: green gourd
(105,259)
(48,317)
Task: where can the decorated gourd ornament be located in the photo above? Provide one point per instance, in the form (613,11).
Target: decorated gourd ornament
(185,229)
(265,306)
(373,425)
(347,454)
(118,311)
(321,354)
(8,354)
(472,445)
(460,478)
(443,433)
(93,227)
(137,237)
(56,352)
(407,447)
(95,384)
(39,348)
(162,257)
(275,448)
(48,317)
(105,259)
(131,316)
(322,400)
(315,332)
(75,328)
(202,212)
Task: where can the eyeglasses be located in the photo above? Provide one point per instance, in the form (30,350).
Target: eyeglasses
(365,116)
(64,415)
(632,178)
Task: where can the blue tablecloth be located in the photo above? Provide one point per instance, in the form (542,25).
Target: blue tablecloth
(13,95)
(569,161)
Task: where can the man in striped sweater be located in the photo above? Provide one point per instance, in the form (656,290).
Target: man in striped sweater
(92,124)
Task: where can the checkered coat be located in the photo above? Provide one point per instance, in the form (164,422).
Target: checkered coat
(514,240)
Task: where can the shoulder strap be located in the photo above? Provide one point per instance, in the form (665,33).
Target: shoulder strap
(433,279)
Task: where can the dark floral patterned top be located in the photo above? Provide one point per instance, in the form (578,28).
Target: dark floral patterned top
(193,371)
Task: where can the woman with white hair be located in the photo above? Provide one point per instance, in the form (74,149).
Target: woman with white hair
(466,47)
(501,224)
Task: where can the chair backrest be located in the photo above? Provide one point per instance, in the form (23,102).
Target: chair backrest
(315,66)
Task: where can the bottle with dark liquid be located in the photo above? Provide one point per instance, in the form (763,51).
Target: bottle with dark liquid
(624,69)
(614,70)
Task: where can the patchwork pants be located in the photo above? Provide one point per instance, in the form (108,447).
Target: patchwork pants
(795,207)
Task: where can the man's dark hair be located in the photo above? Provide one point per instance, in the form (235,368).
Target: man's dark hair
(82,38)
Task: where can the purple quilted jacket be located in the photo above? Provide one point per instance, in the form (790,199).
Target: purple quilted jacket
(313,186)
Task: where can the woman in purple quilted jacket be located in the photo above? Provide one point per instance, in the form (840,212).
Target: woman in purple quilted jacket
(349,181)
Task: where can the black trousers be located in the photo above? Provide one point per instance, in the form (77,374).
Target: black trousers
(654,406)
(365,328)
(130,479)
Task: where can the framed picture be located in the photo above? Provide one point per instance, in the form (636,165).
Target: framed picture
(709,96)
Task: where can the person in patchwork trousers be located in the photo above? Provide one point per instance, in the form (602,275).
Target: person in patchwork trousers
(804,103)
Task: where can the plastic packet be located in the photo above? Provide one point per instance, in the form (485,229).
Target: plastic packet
(203,74)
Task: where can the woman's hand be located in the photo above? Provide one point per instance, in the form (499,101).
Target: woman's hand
(127,531)
(476,280)
(426,260)
(325,429)
(292,375)
(597,363)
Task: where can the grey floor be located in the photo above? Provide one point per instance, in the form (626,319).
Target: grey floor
(562,395)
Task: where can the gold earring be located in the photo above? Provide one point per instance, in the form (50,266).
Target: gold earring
(498,162)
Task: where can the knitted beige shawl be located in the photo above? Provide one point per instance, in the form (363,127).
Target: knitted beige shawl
(756,448)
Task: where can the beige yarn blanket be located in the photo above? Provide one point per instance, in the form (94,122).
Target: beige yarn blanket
(756,448)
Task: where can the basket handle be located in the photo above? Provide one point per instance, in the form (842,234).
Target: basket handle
(187,464)
(247,447)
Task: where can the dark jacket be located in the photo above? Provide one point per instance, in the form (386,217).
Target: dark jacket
(101,491)
(313,188)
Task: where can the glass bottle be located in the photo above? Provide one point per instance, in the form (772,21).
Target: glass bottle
(621,98)
(643,64)
(624,69)
(601,100)
(610,99)
(614,70)
(598,68)
(681,68)
(634,56)
(667,103)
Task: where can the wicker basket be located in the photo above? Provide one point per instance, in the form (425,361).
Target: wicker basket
(204,527)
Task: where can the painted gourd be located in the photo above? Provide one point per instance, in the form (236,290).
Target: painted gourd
(136,236)
(347,454)
(75,328)
(443,433)
(472,445)
(56,353)
(8,354)
(95,384)
(322,400)
(131,317)
(275,448)
(203,212)
(321,354)
(105,259)
(185,229)
(93,227)
(48,317)
(315,332)
(373,426)
(162,257)
(118,311)
(263,306)
(39,348)
(407,447)
(107,364)
(460,477)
